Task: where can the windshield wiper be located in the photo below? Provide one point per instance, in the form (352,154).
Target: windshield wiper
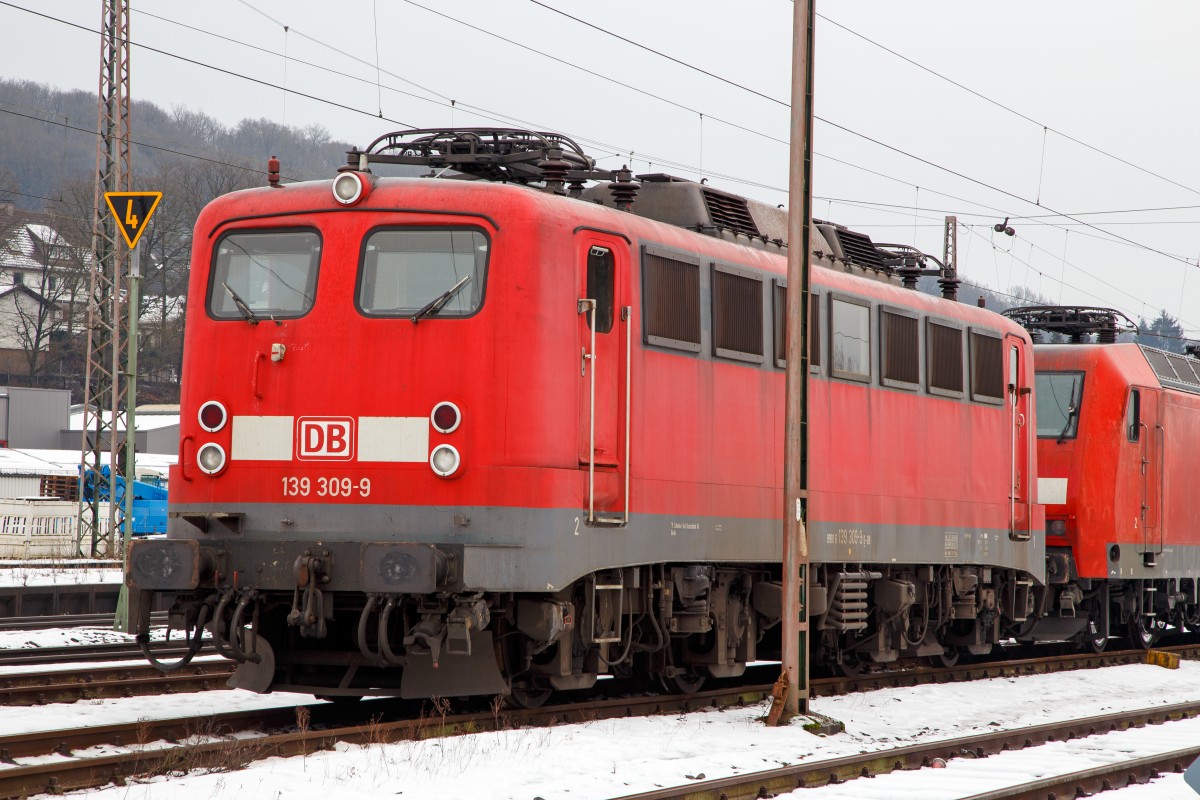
(1072,411)
(436,304)
(241,305)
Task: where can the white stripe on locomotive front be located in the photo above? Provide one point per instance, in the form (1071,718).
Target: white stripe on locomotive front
(380,439)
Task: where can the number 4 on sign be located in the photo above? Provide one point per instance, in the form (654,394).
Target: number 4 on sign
(132,211)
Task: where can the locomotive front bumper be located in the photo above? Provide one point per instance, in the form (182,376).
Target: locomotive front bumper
(180,565)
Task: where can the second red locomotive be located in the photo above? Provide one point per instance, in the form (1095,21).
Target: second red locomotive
(1115,423)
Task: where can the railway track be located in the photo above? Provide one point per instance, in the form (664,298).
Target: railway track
(182,744)
(195,747)
(1085,783)
(70,654)
(59,565)
(782,780)
(828,687)
(42,622)
(87,682)
(68,686)
(178,744)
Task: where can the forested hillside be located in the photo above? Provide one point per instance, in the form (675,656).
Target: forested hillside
(47,162)
(38,158)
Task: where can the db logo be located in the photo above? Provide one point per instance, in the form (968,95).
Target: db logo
(325,438)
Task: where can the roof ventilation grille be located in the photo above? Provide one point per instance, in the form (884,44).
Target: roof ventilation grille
(859,249)
(730,212)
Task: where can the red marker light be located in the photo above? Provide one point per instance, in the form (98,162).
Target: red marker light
(446,417)
(212,416)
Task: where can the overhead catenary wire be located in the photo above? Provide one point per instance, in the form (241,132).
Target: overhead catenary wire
(660,160)
(683,166)
(852,132)
(185,59)
(1009,109)
(997,250)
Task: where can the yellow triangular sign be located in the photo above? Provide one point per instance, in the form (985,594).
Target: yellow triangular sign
(132,211)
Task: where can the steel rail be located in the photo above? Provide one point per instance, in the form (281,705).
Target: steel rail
(42,622)
(91,772)
(1085,783)
(826,687)
(769,783)
(68,654)
(38,688)
(149,758)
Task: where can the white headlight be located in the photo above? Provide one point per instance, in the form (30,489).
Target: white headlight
(211,458)
(444,460)
(347,188)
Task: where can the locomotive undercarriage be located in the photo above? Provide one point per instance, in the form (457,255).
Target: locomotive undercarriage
(672,624)
(295,627)
(874,614)
(863,613)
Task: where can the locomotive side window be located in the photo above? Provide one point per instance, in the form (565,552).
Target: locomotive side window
(814,327)
(419,272)
(779,318)
(600,286)
(737,313)
(671,294)
(899,349)
(1133,416)
(1059,395)
(987,367)
(850,339)
(264,275)
(944,359)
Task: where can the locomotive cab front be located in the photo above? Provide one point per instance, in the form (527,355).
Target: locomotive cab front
(339,380)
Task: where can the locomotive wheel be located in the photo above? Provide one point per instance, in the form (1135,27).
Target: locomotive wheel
(849,666)
(1145,631)
(530,694)
(948,658)
(1096,644)
(1191,617)
(688,682)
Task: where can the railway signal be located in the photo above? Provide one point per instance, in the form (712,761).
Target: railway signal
(132,212)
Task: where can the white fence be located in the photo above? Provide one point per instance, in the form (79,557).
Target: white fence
(34,528)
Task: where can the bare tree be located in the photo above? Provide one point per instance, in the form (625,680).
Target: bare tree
(32,311)
(187,187)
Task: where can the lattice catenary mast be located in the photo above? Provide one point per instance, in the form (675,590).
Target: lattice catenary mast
(105,387)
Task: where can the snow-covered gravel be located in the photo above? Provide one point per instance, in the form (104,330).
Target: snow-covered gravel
(52,576)
(613,757)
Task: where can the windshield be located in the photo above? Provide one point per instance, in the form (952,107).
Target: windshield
(264,275)
(403,271)
(1059,395)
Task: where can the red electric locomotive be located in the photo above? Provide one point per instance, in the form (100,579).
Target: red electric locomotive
(449,437)
(1115,422)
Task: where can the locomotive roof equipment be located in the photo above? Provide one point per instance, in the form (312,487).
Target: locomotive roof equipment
(1075,322)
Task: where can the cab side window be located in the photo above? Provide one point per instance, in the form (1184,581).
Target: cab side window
(1133,416)
(600,286)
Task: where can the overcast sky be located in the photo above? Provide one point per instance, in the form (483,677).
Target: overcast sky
(1115,77)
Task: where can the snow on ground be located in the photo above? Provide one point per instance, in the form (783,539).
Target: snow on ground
(52,576)
(613,757)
